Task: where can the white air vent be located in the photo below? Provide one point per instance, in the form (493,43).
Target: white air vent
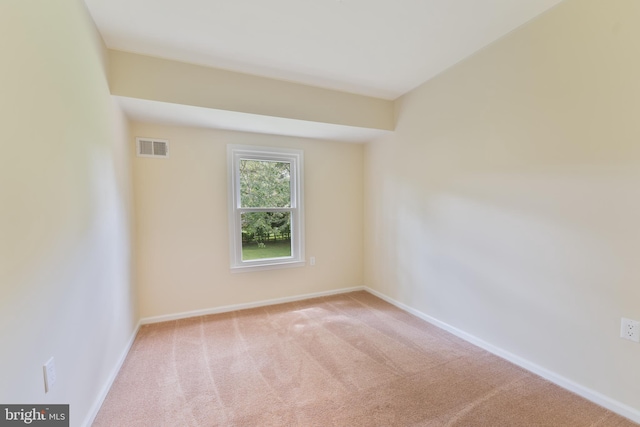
(151,147)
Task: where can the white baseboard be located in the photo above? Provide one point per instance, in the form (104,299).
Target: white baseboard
(235,307)
(93,412)
(598,398)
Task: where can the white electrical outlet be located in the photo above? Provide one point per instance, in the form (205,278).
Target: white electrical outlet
(630,330)
(312,260)
(49,369)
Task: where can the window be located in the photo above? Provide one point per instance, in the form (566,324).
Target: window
(265,207)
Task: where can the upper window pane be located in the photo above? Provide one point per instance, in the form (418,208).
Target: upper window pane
(265,184)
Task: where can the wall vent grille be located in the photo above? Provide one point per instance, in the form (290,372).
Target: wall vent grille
(151,147)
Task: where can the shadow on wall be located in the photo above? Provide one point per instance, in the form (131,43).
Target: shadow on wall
(492,251)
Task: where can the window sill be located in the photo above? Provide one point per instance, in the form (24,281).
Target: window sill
(267,266)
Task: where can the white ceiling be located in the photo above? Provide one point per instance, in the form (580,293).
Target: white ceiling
(379,48)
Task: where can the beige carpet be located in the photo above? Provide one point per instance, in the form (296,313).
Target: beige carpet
(346,360)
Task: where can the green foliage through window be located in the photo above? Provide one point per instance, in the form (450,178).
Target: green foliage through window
(266,215)
(265,184)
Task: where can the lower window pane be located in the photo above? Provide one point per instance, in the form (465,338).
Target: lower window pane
(266,235)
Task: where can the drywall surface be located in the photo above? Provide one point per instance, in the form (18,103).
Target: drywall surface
(65,217)
(155,79)
(506,204)
(182,237)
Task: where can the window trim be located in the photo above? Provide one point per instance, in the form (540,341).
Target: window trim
(235,153)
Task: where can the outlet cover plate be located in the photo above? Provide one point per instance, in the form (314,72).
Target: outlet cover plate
(49,369)
(630,330)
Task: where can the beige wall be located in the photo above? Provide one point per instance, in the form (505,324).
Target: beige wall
(506,204)
(144,77)
(182,235)
(64,209)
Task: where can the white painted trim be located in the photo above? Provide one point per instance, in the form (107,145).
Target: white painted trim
(243,306)
(236,153)
(275,266)
(598,398)
(93,412)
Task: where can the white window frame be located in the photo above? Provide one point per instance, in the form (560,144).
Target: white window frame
(236,153)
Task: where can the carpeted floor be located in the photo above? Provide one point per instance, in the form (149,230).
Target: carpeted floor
(345,360)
